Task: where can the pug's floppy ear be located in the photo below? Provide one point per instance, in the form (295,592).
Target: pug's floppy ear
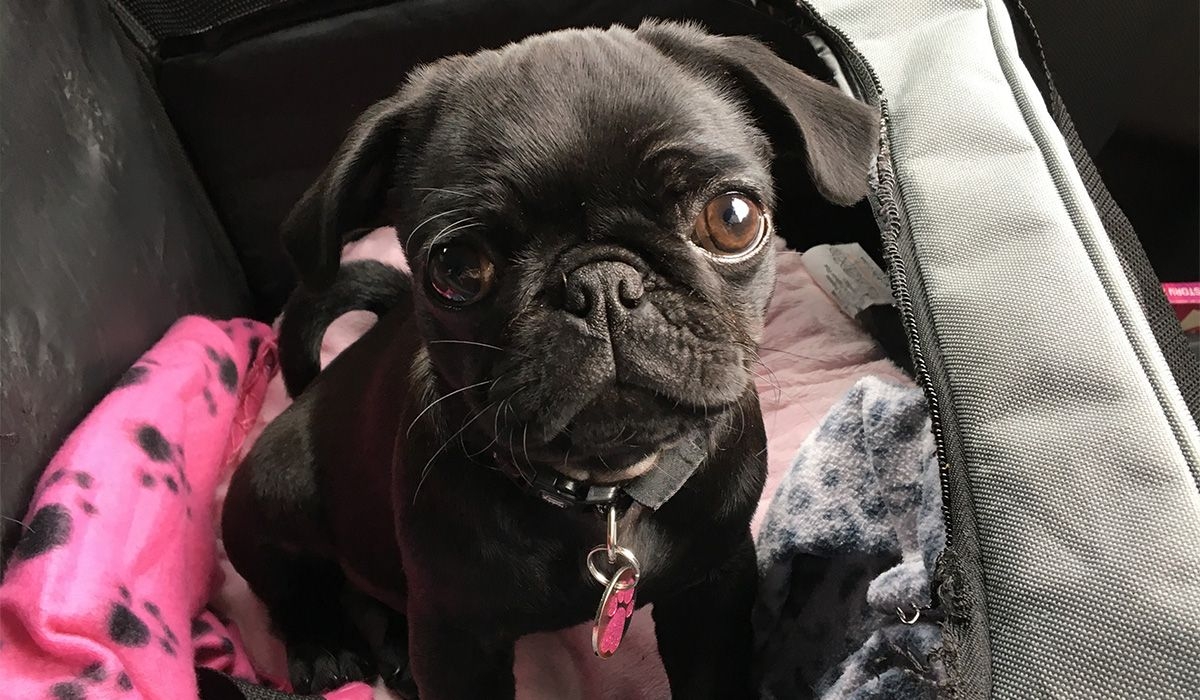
(352,190)
(841,134)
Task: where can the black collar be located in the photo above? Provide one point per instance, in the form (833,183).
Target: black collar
(674,466)
(565,492)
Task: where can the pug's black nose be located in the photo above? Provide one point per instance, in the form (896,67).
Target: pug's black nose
(604,287)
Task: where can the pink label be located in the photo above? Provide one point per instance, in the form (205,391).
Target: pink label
(1182,292)
(1184,298)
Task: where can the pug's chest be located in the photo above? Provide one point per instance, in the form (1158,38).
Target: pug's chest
(524,567)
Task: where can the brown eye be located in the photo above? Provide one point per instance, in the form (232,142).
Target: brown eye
(730,224)
(460,273)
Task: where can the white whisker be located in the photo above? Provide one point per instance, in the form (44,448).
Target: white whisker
(466,342)
(432,218)
(428,465)
(432,190)
(525,444)
(461,225)
(443,398)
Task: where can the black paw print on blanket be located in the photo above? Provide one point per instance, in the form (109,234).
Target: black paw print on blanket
(213,649)
(153,443)
(255,341)
(127,624)
(162,453)
(227,375)
(93,676)
(226,371)
(136,374)
(51,524)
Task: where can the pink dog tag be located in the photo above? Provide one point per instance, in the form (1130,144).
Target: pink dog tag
(614,613)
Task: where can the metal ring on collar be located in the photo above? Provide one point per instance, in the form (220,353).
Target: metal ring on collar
(619,554)
(610,537)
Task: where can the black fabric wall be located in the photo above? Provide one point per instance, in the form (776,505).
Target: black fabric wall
(106,237)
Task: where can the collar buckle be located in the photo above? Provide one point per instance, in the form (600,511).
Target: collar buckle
(565,492)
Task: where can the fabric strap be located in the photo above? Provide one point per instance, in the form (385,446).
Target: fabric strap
(673,468)
(214,685)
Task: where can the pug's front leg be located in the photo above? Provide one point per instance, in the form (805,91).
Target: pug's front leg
(451,662)
(704,632)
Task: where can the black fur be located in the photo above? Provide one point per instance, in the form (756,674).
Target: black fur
(365,285)
(580,160)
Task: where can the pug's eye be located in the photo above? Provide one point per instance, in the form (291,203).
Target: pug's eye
(729,225)
(460,273)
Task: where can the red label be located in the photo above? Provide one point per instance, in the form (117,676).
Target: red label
(1184,297)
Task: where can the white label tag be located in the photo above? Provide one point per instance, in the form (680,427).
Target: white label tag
(849,275)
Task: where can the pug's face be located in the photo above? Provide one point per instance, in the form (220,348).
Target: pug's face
(587,215)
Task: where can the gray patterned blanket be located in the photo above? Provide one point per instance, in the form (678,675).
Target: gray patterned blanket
(847,553)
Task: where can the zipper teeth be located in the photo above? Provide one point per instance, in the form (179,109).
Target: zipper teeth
(887,205)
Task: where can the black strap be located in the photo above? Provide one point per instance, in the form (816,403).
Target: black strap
(214,685)
(672,469)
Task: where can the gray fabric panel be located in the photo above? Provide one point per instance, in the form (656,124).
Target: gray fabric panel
(959,574)
(1183,361)
(1076,447)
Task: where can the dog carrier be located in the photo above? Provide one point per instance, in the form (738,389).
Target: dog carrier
(152,148)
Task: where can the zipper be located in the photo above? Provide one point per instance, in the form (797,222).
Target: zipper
(889,215)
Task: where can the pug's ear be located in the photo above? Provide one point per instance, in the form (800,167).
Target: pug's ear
(840,134)
(352,191)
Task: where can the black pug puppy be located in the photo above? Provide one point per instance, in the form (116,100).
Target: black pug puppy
(558,421)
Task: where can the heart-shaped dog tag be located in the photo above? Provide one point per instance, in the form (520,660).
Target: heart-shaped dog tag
(614,613)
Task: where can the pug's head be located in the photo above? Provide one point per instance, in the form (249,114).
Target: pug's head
(587,215)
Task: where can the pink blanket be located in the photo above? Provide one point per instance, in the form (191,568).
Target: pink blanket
(105,594)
